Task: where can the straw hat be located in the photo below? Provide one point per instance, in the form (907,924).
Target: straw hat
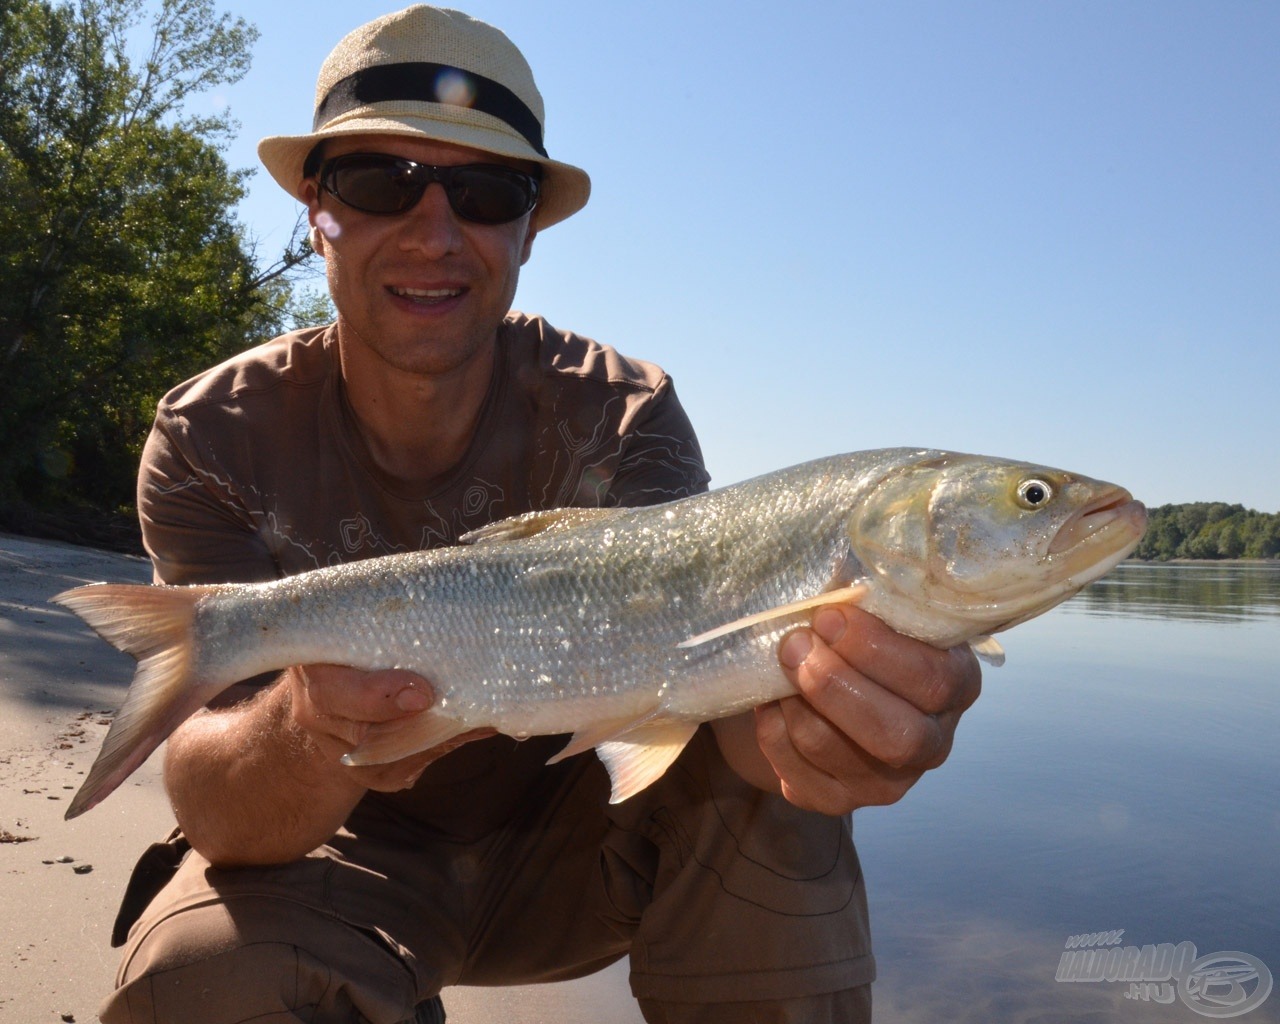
(426,72)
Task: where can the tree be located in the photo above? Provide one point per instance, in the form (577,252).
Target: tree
(1220,531)
(123,268)
(1163,537)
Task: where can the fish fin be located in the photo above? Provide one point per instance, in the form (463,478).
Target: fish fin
(530,523)
(154,624)
(390,741)
(641,756)
(988,649)
(854,592)
(592,736)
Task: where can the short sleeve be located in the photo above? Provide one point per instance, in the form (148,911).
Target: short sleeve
(194,526)
(661,459)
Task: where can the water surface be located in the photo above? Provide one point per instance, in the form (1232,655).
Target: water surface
(1119,774)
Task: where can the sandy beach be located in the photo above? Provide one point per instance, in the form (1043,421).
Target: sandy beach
(62,880)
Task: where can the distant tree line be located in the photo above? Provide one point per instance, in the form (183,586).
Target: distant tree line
(123,269)
(1209,529)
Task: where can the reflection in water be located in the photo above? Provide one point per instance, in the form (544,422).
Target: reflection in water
(1206,591)
(1118,773)
(979,969)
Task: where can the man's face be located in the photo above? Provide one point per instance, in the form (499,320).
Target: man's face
(423,291)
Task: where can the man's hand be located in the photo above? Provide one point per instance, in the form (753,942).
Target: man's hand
(260,781)
(875,711)
(335,706)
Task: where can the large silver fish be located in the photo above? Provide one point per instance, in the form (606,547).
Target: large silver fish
(629,627)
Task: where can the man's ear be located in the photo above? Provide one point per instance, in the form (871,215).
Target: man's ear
(527,250)
(311,196)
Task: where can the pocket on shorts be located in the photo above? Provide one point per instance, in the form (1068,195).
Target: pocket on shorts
(154,870)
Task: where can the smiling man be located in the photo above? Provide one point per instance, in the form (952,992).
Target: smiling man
(300,889)
(419,291)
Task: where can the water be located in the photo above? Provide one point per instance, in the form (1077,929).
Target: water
(1120,772)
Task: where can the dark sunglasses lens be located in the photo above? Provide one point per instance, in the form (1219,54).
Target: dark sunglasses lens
(376,184)
(491,195)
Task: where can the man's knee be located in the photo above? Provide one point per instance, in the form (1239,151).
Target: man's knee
(263,959)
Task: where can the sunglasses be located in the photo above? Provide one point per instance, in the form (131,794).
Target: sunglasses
(386,185)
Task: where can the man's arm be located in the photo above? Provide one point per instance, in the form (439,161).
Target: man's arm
(260,782)
(257,780)
(875,710)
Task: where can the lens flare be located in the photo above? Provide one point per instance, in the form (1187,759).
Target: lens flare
(455,88)
(328,226)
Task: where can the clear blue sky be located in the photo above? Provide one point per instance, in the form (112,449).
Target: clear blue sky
(1047,230)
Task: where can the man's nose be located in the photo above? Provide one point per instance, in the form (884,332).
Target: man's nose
(430,225)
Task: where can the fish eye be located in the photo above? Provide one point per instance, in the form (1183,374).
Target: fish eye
(1034,494)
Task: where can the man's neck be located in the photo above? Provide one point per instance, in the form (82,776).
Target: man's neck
(416,426)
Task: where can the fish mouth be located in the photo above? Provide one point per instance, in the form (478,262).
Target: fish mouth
(1114,517)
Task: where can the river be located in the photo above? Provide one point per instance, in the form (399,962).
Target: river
(1115,788)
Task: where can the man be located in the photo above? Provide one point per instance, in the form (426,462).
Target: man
(314,891)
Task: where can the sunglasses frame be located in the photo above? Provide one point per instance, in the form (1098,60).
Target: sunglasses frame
(443,175)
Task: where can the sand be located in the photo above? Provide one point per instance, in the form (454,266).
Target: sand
(60,882)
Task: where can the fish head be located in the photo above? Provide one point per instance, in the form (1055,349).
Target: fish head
(961,545)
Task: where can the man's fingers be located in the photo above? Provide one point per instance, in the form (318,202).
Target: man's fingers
(892,730)
(803,782)
(932,680)
(821,769)
(874,711)
(336,691)
(335,705)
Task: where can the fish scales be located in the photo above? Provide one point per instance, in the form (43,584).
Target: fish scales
(527,629)
(628,627)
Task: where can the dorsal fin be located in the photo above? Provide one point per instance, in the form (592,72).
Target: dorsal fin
(530,523)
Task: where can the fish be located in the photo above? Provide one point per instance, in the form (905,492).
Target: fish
(626,628)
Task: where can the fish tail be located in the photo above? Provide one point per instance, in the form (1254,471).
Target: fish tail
(155,625)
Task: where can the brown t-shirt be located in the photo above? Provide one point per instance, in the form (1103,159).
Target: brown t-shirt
(255,470)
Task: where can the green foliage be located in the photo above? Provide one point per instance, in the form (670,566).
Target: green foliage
(1209,530)
(122,268)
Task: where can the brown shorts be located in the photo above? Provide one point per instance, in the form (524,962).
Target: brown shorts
(722,895)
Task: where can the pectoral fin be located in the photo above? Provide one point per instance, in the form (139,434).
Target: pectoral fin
(988,649)
(391,741)
(852,593)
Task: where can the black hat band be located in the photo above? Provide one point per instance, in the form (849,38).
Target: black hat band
(425,82)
